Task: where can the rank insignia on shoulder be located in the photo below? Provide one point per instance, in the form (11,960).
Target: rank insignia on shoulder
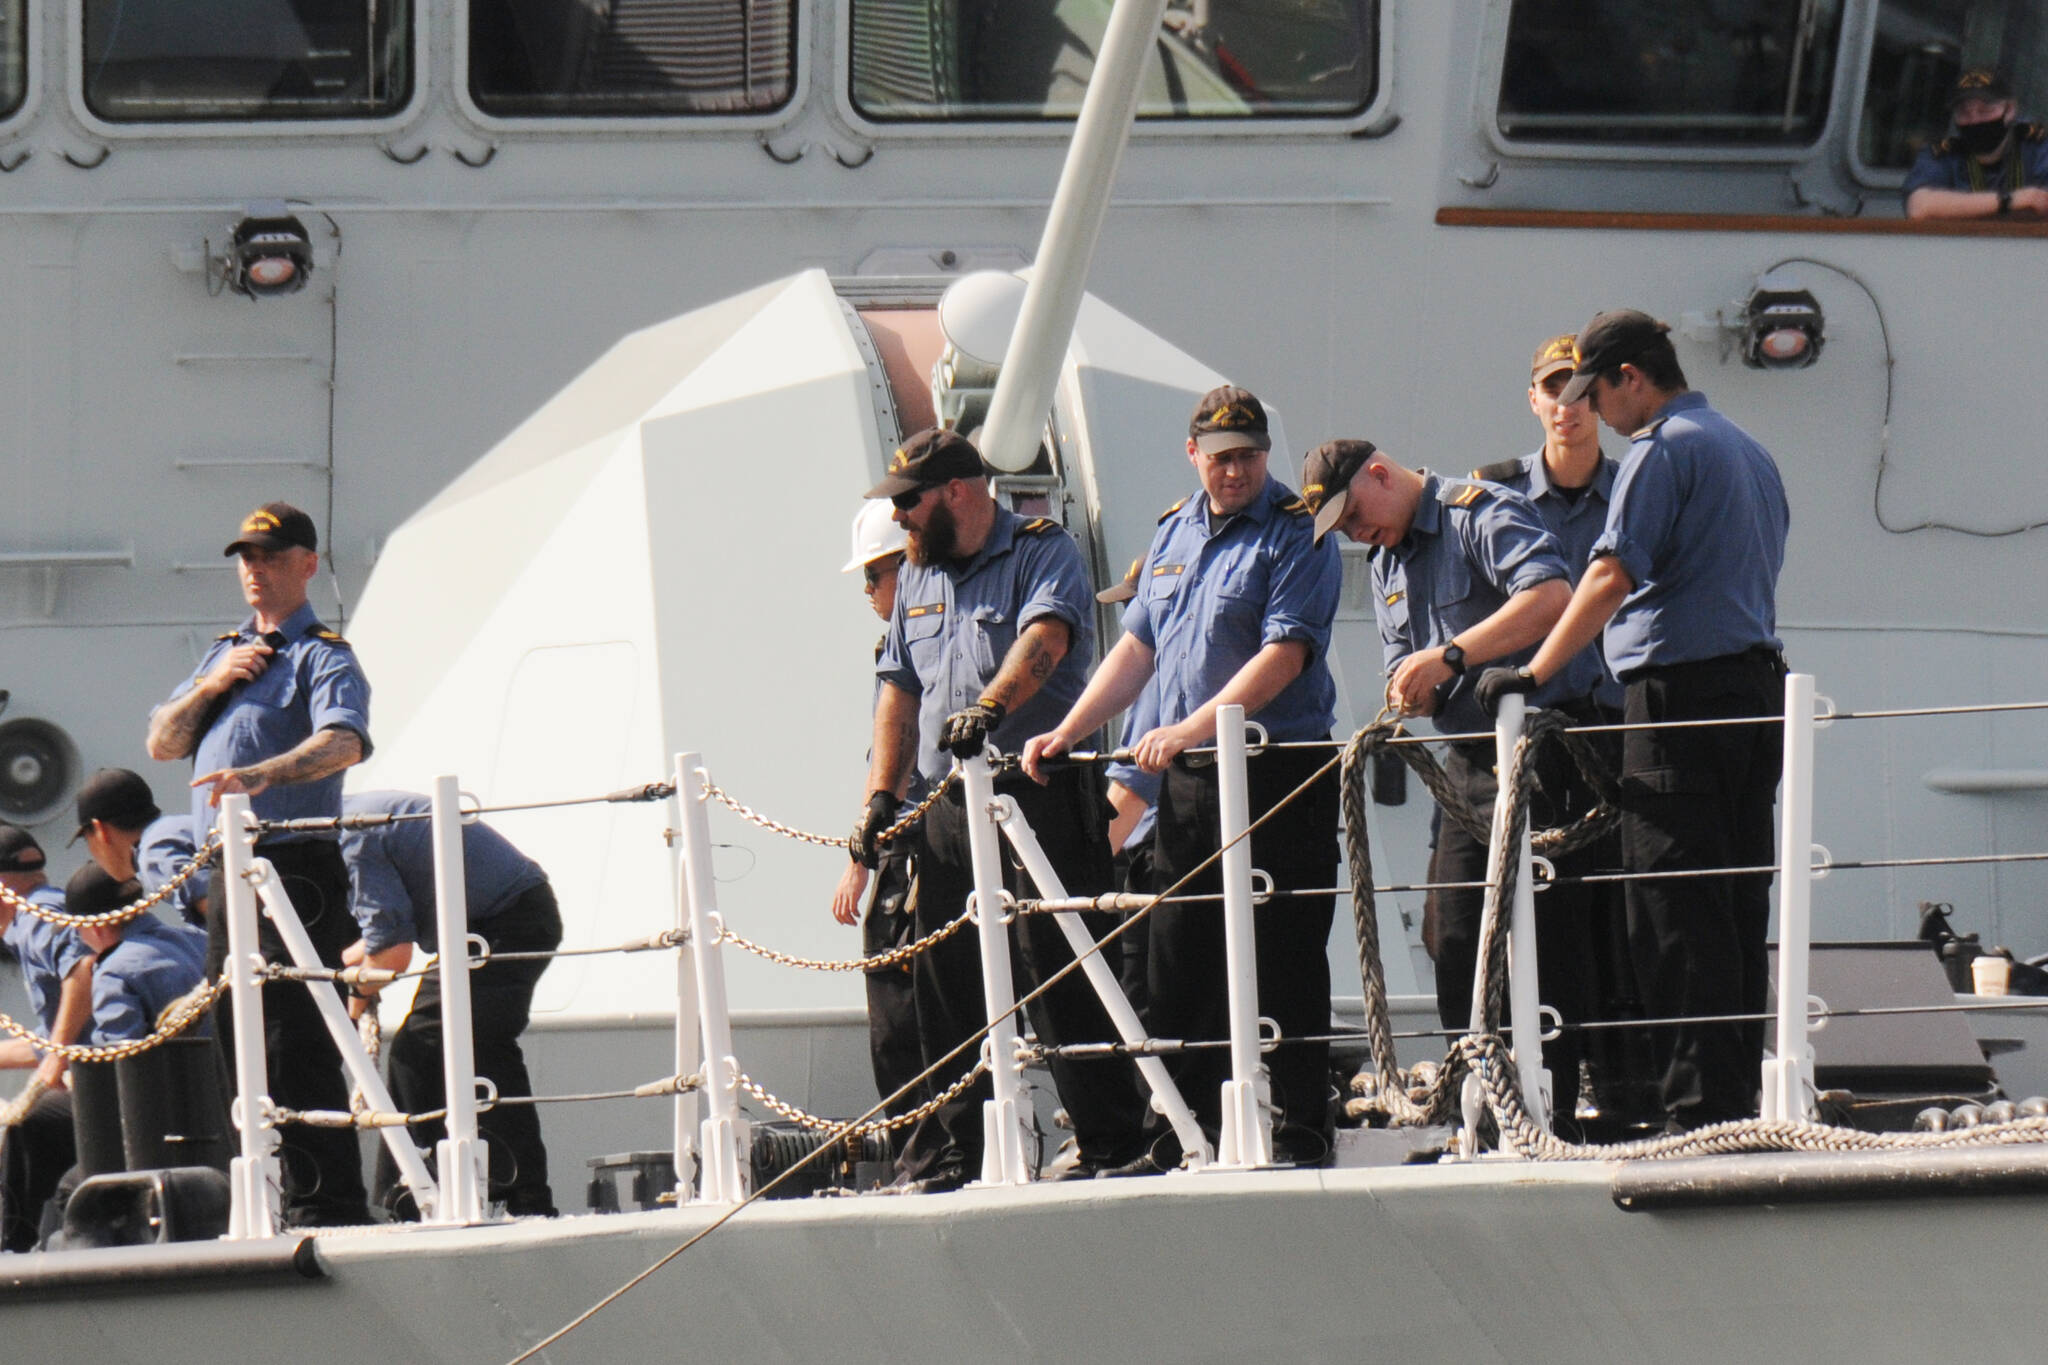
(2032,132)
(1171,510)
(1498,473)
(1394,597)
(928,609)
(1038,526)
(231,635)
(1296,507)
(1462,494)
(323,633)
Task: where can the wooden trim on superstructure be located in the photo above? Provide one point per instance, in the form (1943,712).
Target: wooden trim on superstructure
(1600,220)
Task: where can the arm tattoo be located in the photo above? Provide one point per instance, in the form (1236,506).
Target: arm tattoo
(1031,660)
(321,755)
(175,727)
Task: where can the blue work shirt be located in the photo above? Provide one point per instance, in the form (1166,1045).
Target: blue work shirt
(1699,521)
(1576,523)
(312,683)
(1208,602)
(1142,718)
(1945,166)
(133,981)
(166,847)
(392,870)
(47,953)
(954,623)
(1470,548)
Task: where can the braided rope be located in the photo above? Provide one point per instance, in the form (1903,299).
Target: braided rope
(889,835)
(861,1130)
(17,1109)
(176,1018)
(893,957)
(201,859)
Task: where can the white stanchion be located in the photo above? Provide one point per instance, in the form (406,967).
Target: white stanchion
(254,1178)
(720,1178)
(1788,1084)
(686,1114)
(461,1154)
(1246,1141)
(1525,996)
(1166,1096)
(1002,1157)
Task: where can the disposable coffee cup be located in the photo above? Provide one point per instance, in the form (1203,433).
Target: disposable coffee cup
(1991,974)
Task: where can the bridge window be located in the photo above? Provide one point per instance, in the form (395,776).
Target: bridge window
(631,58)
(152,61)
(1921,46)
(13,56)
(1701,72)
(1222,59)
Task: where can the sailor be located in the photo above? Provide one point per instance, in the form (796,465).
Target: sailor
(1992,164)
(1684,583)
(140,967)
(56,969)
(277,709)
(128,836)
(511,907)
(1235,608)
(1134,801)
(989,643)
(1464,573)
(890,923)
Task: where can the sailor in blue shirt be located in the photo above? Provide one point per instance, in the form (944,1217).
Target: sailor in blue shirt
(1990,166)
(139,967)
(390,851)
(1134,799)
(989,643)
(1684,583)
(278,709)
(127,836)
(1234,607)
(167,848)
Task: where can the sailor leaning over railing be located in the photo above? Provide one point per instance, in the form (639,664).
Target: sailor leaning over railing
(56,967)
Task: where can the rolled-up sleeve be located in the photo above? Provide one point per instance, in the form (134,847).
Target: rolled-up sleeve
(383,907)
(1058,579)
(1644,509)
(1514,549)
(1305,582)
(339,695)
(892,665)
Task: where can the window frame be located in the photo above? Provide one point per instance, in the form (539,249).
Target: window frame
(556,125)
(157,129)
(31,71)
(1375,120)
(1861,172)
(1492,66)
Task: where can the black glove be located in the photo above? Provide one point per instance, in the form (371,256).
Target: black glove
(966,732)
(864,845)
(1496,683)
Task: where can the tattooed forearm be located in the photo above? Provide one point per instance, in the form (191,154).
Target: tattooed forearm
(322,755)
(1029,663)
(174,727)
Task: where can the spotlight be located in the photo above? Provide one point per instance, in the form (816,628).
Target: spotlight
(1782,326)
(268,253)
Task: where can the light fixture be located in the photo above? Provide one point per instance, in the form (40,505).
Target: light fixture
(1782,325)
(268,253)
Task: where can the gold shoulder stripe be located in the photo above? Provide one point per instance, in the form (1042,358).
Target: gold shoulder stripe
(323,633)
(1171,510)
(1296,507)
(231,635)
(2032,132)
(1468,495)
(1038,526)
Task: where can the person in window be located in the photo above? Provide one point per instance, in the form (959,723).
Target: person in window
(1991,166)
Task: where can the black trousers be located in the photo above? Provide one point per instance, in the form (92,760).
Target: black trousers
(1702,798)
(34,1155)
(1134,875)
(500,1003)
(323,1168)
(1188,986)
(891,922)
(1101,1097)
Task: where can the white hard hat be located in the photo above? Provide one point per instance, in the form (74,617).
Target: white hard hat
(875,534)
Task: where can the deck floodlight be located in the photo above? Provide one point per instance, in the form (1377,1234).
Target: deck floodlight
(268,253)
(1782,326)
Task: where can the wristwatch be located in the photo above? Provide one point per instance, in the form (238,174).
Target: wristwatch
(2004,202)
(1454,658)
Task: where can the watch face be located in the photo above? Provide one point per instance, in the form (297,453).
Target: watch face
(1454,655)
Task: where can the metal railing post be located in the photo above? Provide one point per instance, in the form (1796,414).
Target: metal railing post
(1247,1132)
(1166,1096)
(461,1154)
(686,1113)
(1788,1076)
(1002,1155)
(254,1178)
(719,1167)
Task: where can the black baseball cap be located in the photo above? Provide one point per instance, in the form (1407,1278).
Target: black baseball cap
(1326,479)
(117,796)
(92,892)
(1126,590)
(1979,83)
(931,457)
(1229,418)
(276,526)
(1609,341)
(19,851)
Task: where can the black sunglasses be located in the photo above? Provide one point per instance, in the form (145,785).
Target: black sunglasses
(876,569)
(903,502)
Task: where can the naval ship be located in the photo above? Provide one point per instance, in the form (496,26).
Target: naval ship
(582,326)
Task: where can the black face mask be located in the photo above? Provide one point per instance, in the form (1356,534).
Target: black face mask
(1982,139)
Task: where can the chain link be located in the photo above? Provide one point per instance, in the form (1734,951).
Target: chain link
(889,835)
(176,1018)
(893,957)
(201,859)
(861,1130)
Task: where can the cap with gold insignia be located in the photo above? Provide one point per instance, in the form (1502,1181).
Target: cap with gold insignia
(1126,590)
(1326,479)
(276,526)
(931,457)
(1229,418)
(1552,356)
(1979,83)
(1609,341)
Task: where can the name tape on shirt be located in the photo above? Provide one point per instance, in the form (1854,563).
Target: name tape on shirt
(929,609)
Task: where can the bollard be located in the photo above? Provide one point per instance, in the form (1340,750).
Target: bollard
(1788,1076)
(254,1178)
(461,1155)
(1247,1138)
(1002,1156)
(724,1131)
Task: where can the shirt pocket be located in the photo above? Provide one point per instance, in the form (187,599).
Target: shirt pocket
(923,635)
(989,638)
(1240,614)
(277,687)
(1453,588)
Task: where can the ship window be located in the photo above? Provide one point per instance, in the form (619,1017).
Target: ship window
(1699,72)
(1921,46)
(13,56)
(999,60)
(631,58)
(152,61)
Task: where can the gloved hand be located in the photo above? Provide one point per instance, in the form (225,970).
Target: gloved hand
(1496,683)
(966,732)
(864,845)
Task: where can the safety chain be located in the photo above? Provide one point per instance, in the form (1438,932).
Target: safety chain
(201,858)
(889,835)
(861,1130)
(176,1018)
(878,962)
